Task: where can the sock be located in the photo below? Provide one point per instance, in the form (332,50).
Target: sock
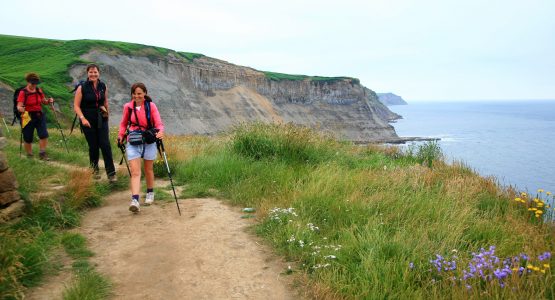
(149,190)
(135,197)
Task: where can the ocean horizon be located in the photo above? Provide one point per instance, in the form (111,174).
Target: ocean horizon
(511,140)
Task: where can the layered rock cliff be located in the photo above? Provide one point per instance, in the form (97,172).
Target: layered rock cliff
(208,96)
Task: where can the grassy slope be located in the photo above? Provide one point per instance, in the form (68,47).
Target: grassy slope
(376,211)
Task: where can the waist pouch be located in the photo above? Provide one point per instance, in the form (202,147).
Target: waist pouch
(135,137)
(35,115)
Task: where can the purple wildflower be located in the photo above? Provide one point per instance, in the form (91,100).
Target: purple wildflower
(544,256)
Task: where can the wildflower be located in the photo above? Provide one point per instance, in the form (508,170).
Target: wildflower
(517,199)
(536,269)
(548,193)
(523,194)
(536,200)
(544,256)
(530,267)
(543,271)
(547,266)
(411,265)
(540,190)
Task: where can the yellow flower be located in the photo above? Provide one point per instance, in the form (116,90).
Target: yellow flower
(517,199)
(539,212)
(533,209)
(536,200)
(530,209)
(530,267)
(540,190)
(536,269)
(543,271)
(548,193)
(546,266)
(514,269)
(548,206)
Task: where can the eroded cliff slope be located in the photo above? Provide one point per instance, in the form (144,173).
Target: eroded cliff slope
(208,96)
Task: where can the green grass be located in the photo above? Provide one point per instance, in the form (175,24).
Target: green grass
(189,55)
(386,208)
(281,76)
(28,246)
(88,286)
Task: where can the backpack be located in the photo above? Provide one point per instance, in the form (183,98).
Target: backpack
(16,114)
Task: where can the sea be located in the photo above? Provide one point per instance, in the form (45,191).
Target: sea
(514,141)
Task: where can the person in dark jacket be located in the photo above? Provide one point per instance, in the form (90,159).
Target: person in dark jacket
(91,105)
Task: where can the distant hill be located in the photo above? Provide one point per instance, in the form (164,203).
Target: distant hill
(196,94)
(391,99)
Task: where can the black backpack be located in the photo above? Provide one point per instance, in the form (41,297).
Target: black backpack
(16,114)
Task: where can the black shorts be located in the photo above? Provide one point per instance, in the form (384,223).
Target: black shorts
(38,122)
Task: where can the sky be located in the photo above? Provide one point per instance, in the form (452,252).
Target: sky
(423,50)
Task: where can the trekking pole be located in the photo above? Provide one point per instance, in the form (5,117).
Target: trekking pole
(73,124)
(121,146)
(160,144)
(59,127)
(21,140)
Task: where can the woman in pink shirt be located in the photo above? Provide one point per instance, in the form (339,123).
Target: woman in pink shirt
(140,115)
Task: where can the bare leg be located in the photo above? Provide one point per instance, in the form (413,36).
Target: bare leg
(135,166)
(28,148)
(149,174)
(42,144)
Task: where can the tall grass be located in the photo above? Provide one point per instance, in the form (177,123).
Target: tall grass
(27,246)
(355,219)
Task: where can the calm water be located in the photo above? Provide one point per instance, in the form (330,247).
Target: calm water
(511,140)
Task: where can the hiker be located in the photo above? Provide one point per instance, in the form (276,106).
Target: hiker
(140,127)
(29,105)
(91,106)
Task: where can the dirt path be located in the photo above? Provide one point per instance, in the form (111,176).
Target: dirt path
(204,254)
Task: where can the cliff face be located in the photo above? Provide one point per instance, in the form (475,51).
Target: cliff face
(391,99)
(208,96)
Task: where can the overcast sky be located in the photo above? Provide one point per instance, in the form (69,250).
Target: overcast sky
(421,50)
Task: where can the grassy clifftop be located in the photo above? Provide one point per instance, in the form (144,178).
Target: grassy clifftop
(51,59)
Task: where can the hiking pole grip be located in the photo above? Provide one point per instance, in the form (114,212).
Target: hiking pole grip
(121,146)
(161,146)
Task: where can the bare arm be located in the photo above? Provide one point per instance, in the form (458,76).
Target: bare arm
(77,107)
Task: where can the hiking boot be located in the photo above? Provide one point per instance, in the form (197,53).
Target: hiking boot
(112,179)
(30,155)
(149,198)
(134,206)
(43,156)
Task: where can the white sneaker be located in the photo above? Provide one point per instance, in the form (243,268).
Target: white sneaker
(134,206)
(149,198)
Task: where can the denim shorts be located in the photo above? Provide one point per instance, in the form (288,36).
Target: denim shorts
(134,152)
